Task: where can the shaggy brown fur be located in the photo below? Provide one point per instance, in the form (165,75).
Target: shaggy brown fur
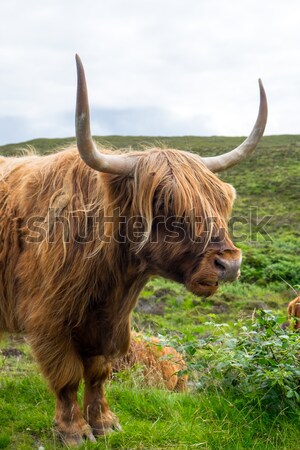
(293,312)
(70,282)
(162,365)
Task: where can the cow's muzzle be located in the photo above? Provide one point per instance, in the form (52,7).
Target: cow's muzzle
(227,269)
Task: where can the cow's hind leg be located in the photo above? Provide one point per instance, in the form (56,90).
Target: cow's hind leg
(96,409)
(63,368)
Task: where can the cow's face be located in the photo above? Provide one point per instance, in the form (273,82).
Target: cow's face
(189,241)
(200,266)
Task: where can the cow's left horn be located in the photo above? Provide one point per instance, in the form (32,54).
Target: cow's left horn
(115,164)
(222,162)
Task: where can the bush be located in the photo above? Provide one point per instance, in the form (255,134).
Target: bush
(257,363)
(277,260)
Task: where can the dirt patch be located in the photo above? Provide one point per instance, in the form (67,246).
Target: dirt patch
(250,306)
(220,308)
(163,292)
(11,352)
(150,305)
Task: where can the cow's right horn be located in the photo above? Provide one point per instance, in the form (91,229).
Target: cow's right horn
(115,164)
(222,162)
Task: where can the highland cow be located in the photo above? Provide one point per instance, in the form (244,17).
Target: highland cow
(293,312)
(81,232)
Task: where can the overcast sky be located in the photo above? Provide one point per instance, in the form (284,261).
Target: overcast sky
(154,67)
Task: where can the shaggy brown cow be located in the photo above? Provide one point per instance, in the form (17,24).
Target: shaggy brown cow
(162,365)
(82,232)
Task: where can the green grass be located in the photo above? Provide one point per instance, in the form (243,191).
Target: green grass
(151,418)
(267,184)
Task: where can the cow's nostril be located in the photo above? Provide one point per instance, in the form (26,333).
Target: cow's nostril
(220,265)
(227,270)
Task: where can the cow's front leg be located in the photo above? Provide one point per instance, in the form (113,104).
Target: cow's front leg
(70,424)
(96,409)
(63,368)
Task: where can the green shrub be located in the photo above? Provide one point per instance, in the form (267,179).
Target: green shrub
(257,363)
(271,261)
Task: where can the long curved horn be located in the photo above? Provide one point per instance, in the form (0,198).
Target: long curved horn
(115,164)
(222,162)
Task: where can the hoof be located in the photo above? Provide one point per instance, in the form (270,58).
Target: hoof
(105,424)
(103,428)
(75,439)
(117,427)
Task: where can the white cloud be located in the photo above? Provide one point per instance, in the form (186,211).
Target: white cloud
(194,64)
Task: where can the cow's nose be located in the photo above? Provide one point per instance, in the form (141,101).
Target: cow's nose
(228,269)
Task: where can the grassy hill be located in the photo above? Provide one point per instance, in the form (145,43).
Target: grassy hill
(239,369)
